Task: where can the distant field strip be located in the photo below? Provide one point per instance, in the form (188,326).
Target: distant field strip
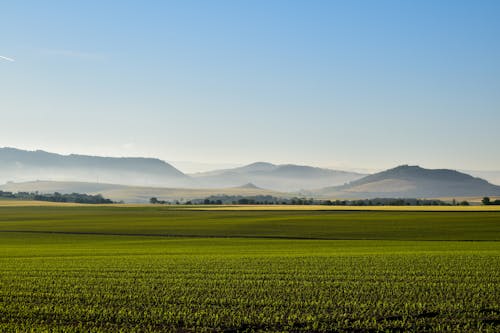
(476,208)
(294,224)
(473,208)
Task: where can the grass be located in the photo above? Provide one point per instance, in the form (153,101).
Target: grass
(54,277)
(400,225)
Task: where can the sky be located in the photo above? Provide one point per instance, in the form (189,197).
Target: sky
(363,85)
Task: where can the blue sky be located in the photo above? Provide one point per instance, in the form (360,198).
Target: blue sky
(348,84)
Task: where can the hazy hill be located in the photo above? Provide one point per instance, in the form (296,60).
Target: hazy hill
(413,181)
(47,186)
(285,177)
(491,176)
(21,165)
(134,194)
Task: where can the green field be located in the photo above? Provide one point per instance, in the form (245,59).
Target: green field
(158,269)
(167,221)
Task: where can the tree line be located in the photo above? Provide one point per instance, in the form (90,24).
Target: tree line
(272,200)
(487,202)
(57,197)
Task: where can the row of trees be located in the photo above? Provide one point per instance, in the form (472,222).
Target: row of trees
(57,197)
(487,201)
(271,200)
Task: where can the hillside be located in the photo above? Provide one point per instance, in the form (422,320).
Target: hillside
(133,194)
(491,176)
(285,177)
(21,165)
(413,181)
(18,165)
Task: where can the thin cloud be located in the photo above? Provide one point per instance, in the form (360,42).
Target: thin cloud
(72,54)
(6,58)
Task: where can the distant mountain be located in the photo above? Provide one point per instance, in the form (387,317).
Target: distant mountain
(18,165)
(249,185)
(21,165)
(413,182)
(140,178)
(285,177)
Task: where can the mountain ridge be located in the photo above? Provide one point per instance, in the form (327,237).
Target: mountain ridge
(402,181)
(23,165)
(413,181)
(280,177)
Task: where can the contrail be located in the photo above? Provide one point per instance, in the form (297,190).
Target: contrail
(6,58)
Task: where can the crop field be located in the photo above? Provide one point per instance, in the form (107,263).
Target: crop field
(157,269)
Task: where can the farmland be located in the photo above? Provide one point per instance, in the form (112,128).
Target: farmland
(156,269)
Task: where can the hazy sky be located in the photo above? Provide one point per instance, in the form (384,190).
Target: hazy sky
(364,84)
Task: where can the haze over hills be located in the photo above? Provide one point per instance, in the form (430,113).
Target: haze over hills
(21,165)
(135,194)
(415,182)
(284,177)
(137,179)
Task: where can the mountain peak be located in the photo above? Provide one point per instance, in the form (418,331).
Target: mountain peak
(407,167)
(416,182)
(250,186)
(256,167)
(260,164)
(417,172)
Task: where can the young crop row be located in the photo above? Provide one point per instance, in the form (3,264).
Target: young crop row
(364,292)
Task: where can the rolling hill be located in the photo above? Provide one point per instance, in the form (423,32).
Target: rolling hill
(134,194)
(141,178)
(491,176)
(413,181)
(21,165)
(18,165)
(285,177)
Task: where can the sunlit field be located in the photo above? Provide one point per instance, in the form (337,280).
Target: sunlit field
(157,269)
